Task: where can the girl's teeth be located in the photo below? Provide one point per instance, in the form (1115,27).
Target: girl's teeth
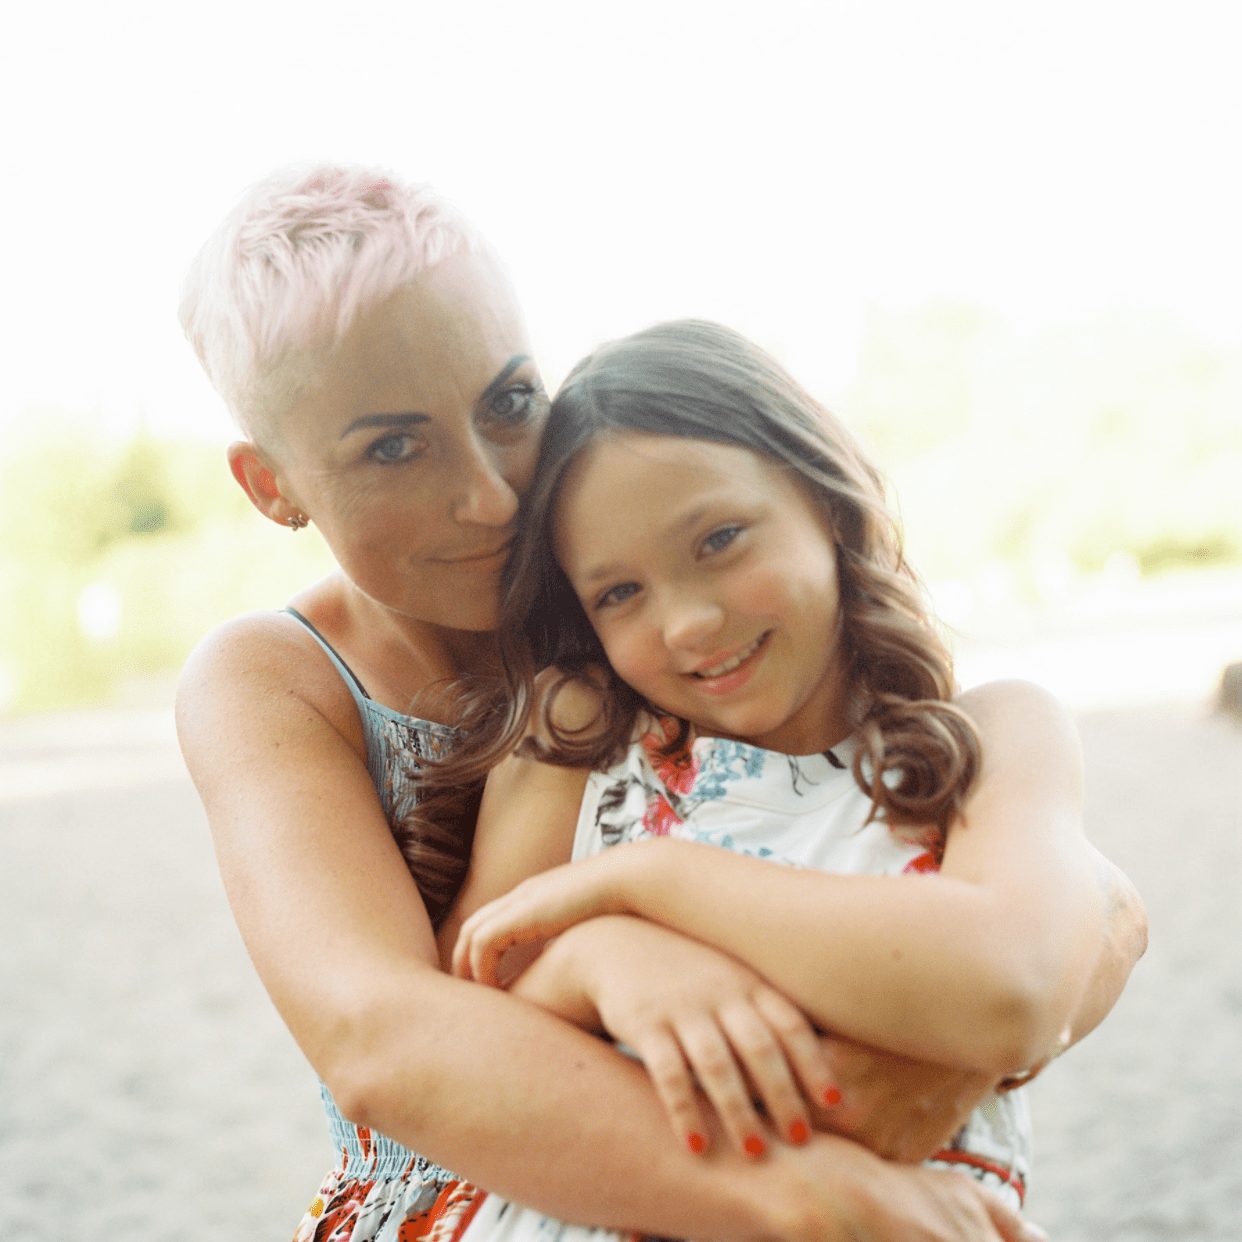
(732,662)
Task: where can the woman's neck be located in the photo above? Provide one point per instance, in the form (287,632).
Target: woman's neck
(397,657)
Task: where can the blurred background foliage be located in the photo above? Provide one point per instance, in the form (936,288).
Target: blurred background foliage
(1024,464)
(119,554)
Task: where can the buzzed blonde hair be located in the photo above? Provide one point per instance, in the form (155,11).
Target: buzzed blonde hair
(294,263)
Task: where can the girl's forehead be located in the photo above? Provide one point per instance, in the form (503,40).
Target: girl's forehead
(615,456)
(629,487)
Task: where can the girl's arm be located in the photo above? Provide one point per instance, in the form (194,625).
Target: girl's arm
(984,966)
(677,1003)
(336,929)
(671,998)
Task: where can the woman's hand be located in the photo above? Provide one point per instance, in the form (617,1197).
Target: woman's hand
(916,1204)
(535,911)
(697,1018)
(900,1108)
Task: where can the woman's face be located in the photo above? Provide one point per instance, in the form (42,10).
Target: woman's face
(414,439)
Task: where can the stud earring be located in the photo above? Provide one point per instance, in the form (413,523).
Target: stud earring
(298,521)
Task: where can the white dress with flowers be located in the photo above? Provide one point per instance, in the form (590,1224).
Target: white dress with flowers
(804,811)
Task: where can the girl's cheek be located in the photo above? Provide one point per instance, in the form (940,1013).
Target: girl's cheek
(632,658)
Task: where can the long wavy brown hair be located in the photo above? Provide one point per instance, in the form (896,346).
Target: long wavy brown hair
(918,754)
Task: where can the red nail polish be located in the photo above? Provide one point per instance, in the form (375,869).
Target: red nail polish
(754,1145)
(799,1132)
(696,1142)
(832,1097)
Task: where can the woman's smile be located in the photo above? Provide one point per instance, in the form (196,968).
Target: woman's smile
(488,559)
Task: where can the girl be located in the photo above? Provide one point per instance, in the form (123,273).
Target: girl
(740,657)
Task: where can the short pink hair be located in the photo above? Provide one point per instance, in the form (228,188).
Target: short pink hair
(289,269)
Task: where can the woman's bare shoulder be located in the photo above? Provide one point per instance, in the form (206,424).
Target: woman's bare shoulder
(1005,694)
(1016,708)
(256,669)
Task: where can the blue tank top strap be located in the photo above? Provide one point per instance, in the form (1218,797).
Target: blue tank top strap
(356,687)
(396,744)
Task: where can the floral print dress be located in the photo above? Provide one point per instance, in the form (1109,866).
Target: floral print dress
(804,811)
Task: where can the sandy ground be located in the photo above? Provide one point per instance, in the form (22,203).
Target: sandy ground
(148,1091)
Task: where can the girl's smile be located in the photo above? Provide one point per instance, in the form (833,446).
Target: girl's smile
(721,676)
(711,580)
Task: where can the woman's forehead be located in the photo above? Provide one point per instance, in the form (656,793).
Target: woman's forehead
(461,313)
(434,346)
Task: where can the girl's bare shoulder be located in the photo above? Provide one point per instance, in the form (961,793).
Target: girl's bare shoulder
(568,703)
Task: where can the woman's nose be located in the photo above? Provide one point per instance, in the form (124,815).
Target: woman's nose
(485,497)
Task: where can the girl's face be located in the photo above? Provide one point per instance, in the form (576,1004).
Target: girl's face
(414,439)
(711,581)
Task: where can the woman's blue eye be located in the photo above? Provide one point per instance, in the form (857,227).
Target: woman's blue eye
(397,447)
(617,595)
(721,538)
(513,404)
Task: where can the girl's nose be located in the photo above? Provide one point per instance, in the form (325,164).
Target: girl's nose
(485,496)
(691,623)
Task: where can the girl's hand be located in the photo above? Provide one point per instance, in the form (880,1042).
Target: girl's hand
(900,1108)
(698,1019)
(535,911)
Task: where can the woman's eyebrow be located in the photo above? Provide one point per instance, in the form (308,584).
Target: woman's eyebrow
(384,420)
(501,377)
(408,418)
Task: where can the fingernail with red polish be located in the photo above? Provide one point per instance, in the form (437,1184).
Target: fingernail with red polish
(696,1142)
(799,1132)
(754,1145)
(832,1097)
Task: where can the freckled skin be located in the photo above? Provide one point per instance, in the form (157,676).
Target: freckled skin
(405,505)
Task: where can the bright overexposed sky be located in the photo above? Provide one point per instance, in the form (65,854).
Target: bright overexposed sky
(781,165)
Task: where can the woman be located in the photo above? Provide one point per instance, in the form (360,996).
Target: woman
(380,372)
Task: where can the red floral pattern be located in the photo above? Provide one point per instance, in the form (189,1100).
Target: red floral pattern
(660,819)
(677,769)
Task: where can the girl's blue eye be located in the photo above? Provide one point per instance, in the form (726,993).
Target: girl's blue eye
(394,448)
(720,539)
(617,595)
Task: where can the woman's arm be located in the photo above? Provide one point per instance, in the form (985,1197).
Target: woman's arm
(983,966)
(477,1080)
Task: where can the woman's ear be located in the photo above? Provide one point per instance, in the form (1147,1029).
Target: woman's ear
(257,479)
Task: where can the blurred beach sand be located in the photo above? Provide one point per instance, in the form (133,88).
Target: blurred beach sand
(148,1090)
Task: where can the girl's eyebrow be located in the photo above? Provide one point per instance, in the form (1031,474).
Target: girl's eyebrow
(688,520)
(409,417)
